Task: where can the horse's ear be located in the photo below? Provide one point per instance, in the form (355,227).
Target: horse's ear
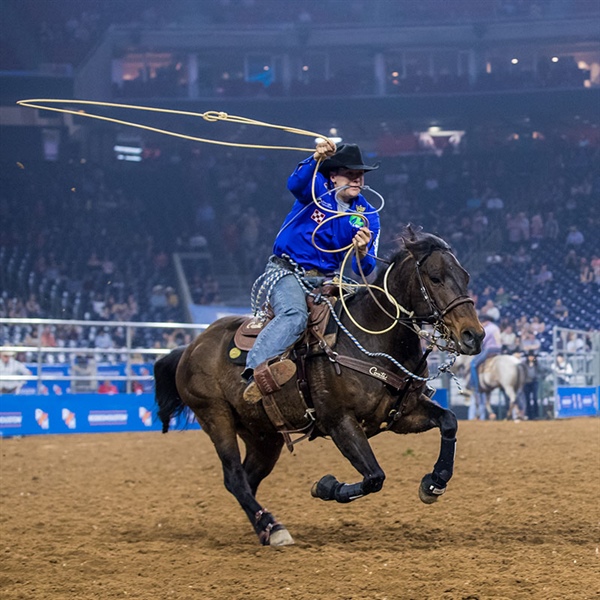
(411,233)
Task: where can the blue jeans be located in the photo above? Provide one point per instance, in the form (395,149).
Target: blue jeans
(479,360)
(477,407)
(288,302)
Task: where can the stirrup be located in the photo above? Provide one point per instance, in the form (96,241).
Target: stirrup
(269,379)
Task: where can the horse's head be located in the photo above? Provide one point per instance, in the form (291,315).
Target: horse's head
(433,284)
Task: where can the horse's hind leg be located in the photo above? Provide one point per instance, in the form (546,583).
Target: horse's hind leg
(513,404)
(261,456)
(424,417)
(221,429)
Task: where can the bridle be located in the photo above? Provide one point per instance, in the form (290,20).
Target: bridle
(437,314)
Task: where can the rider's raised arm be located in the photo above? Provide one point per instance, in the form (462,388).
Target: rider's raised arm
(300,181)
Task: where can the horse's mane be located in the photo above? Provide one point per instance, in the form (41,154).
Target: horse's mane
(416,243)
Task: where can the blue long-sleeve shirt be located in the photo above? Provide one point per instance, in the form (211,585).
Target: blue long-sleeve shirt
(295,236)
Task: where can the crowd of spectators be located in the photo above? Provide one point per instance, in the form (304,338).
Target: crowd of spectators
(83,242)
(79,242)
(524,213)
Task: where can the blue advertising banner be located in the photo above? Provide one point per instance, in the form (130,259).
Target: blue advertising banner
(441,397)
(576,402)
(81,413)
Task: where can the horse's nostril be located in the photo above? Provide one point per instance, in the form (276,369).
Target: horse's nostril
(470,341)
(468,338)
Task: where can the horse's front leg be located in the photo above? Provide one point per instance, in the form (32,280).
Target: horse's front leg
(425,416)
(352,442)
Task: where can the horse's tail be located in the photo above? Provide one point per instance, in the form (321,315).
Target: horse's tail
(521,377)
(166,394)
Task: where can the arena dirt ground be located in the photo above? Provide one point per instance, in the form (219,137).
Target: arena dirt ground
(146,516)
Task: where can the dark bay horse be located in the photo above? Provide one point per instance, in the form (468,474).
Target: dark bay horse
(349,406)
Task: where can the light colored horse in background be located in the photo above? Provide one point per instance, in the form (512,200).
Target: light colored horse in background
(502,371)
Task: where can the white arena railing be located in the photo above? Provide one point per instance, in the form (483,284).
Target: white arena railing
(66,354)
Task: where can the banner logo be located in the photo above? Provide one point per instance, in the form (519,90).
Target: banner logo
(107,417)
(42,418)
(145,416)
(69,418)
(11,419)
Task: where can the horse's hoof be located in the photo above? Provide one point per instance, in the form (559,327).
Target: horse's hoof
(425,497)
(280,537)
(313,490)
(428,491)
(325,488)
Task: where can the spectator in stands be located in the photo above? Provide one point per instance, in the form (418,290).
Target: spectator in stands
(33,308)
(537,230)
(551,228)
(10,366)
(107,387)
(104,340)
(145,385)
(490,309)
(586,274)
(537,326)
(158,301)
(574,237)
(543,277)
(494,205)
(47,338)
(572,261)
(84,366)
(563,370)
(529,343)
(559,311)
(595,265)
(575,343)
(530,389)
(509,339)
(16,309)
(502,297)
(338,183)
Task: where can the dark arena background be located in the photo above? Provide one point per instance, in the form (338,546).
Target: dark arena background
(119,244)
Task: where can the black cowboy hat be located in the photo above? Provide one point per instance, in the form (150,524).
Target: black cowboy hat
(487,317)
(348,156)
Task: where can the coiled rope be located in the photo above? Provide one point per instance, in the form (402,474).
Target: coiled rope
(262,286)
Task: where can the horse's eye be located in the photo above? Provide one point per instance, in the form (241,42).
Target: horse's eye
(435,280)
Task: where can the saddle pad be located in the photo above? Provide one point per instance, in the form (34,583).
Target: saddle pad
(236,355)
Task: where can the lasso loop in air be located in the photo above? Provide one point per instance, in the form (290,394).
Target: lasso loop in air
(211,116)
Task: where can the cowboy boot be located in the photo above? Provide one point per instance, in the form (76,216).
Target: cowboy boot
(269,379)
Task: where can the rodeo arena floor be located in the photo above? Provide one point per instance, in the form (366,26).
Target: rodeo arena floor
(146,516)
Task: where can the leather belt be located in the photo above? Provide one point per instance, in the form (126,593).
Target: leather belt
(282,262)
